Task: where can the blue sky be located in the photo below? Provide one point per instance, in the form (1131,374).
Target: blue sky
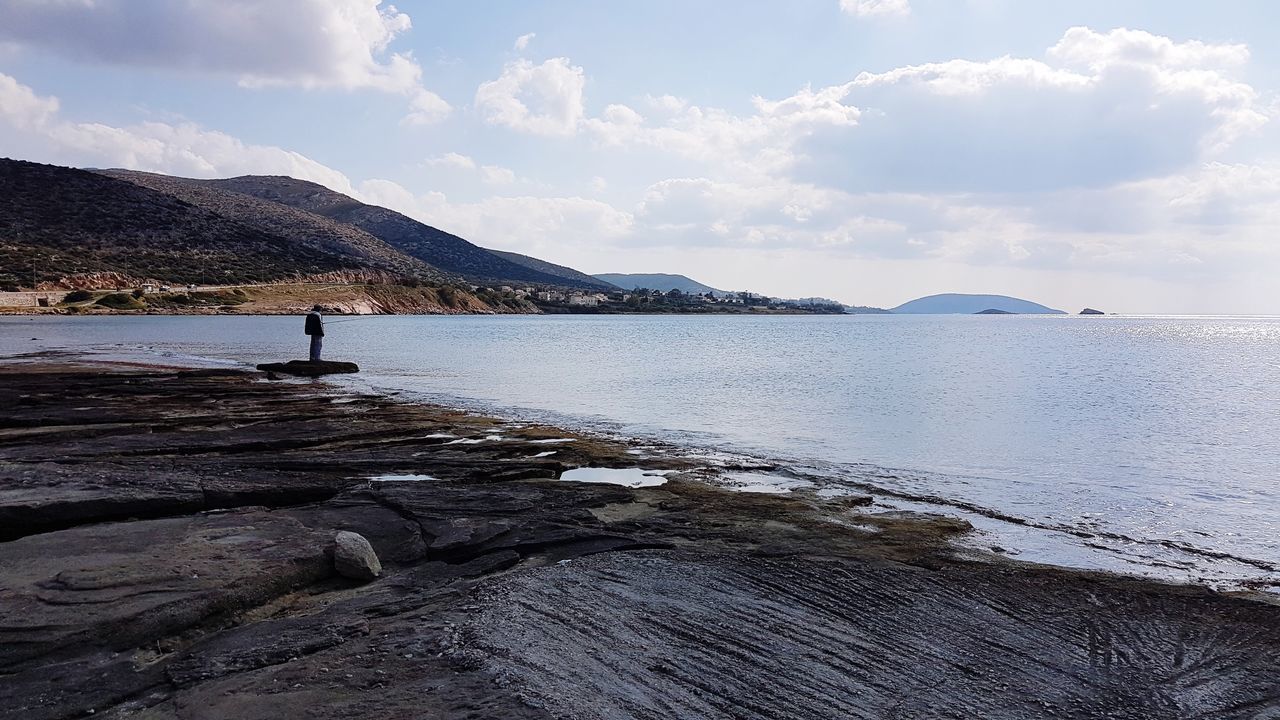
(1122,155)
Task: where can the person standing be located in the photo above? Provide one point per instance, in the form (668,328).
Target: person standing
(315,328)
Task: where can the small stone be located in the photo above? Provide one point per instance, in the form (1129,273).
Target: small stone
(353,557)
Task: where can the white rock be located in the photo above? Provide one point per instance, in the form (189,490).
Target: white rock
(354,557)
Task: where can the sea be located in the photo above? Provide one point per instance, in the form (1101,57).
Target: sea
(1142,445)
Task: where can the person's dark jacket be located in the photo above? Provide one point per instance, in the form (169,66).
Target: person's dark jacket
(315,326)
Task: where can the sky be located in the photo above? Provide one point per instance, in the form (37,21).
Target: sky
(1118,155)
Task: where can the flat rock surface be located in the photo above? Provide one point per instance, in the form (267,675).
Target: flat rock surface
(167,553)
(715,636)
(310,368)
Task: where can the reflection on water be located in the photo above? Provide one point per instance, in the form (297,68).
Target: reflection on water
(630,477)
(1160,430)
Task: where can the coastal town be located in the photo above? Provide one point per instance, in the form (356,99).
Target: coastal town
(155,297)
(648,300)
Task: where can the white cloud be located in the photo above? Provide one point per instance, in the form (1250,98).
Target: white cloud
(522,42)
(31,127)
(1082,46)
(758,144)
(497,175)
(1099,156)
(1101,108)
(453,160)
(22,108)
(426,108)
(306,43)
(1217,219)
(876,8)
(543,99)
(553,227)
(488,174)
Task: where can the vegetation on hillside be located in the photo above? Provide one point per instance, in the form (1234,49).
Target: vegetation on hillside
(301,228)
(442,250)
(57,221)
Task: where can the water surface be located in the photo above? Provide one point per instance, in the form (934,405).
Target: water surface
(1137,443)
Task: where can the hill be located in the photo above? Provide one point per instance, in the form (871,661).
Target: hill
(958,303)
(107,228)
(657,281)
(58,221)
(567,274)
(302,228)
(436,247)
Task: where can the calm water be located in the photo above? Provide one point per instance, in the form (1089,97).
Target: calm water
(1159,438)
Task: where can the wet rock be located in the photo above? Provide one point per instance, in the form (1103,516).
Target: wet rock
(262,644)
(112,586)
(514,597)
(850,638)
(353,557)
(855,500)
(307,368)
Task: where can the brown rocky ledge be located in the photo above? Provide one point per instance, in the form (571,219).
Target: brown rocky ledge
(167,553)
(310,368)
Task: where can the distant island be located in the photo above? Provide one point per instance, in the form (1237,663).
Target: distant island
(962,304)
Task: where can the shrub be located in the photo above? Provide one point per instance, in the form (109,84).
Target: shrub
(78,296)
(448,296)
(120,301)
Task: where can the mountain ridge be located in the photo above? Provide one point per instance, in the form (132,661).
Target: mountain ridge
(114,227)
(58,221)
(551,268)
(306,228)
(658,281)
(441,249)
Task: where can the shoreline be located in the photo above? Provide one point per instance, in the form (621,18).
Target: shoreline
(170,533)
(217,311)
(354,298)
(1021,536)
(1018,537)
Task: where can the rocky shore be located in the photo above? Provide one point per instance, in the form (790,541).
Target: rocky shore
(168,542)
